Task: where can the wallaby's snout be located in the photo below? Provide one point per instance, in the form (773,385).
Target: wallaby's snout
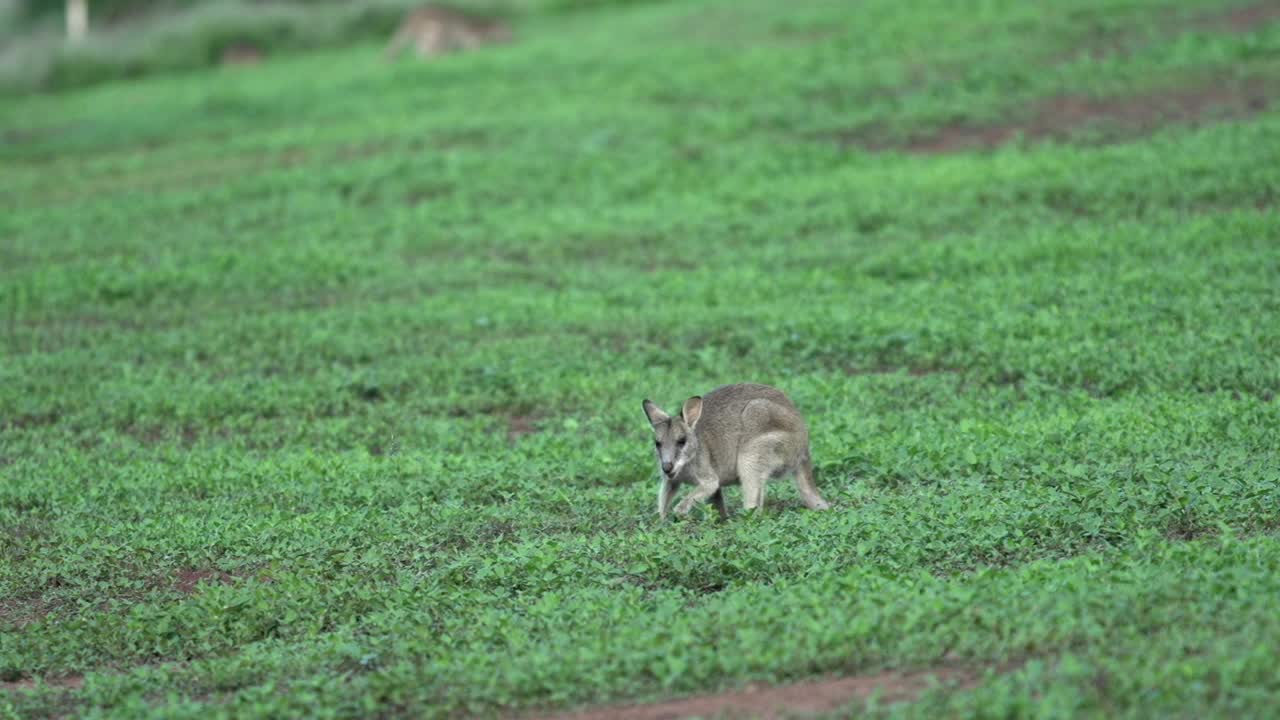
(667,467)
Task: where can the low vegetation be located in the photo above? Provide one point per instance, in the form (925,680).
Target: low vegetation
(320,380)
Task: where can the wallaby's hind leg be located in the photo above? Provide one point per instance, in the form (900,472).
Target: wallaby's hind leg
(753,491)
(808,490)
(397,44)
(759,461)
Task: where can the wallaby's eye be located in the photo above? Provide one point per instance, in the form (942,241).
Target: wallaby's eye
(680,442)
(657,443)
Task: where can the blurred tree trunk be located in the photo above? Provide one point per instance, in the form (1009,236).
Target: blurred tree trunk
(77,20)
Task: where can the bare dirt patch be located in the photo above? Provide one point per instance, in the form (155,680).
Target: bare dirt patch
(1125,42)
(18,614)
(811,697)
(426,194)
(187,581)
(1242,19)
(520,425)
(22,136)
(1106,119)
(31,420)
(70,682)
(19,684)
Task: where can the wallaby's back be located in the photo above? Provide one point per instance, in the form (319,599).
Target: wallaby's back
(727,422)
(722,407)
(461,20)
(438,29)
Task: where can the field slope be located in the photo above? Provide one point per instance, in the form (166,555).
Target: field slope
(320,380)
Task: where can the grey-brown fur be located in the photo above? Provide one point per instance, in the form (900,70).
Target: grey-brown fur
(437,30)
(736,434)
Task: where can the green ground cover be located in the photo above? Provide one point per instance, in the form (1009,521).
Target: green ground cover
(320,380)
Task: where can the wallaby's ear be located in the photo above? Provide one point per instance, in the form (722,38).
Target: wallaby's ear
(692,410)
(655,414)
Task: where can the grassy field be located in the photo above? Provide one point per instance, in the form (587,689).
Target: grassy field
(320,380)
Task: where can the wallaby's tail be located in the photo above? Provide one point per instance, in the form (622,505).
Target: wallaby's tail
(805,484)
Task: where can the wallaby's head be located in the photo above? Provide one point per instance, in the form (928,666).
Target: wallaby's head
(673,437)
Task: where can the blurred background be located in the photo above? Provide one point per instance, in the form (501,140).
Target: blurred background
(42,48)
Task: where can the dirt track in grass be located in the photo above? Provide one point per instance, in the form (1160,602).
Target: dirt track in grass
(797,699)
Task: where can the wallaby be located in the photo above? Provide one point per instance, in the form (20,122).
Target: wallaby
(436,30)
(241,54)
(743,433)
